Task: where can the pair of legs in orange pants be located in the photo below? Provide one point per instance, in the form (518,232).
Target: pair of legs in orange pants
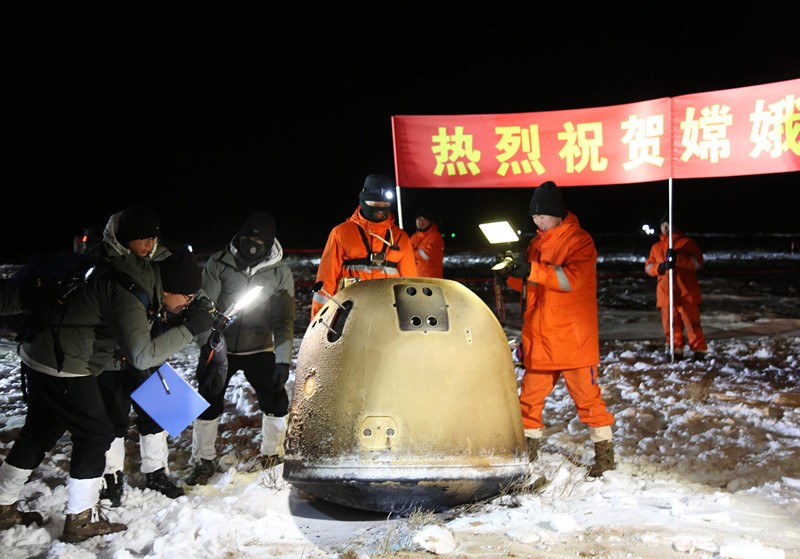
(584,390)
(688,317)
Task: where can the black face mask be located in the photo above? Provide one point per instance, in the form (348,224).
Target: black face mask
(370,212)
(251,251)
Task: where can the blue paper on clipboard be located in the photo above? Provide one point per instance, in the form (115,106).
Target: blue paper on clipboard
(170,400)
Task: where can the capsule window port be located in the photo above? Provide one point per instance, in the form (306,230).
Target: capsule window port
(421,308)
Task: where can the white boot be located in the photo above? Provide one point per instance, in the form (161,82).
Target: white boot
(204,439)
(12,481)
(273,434)
(115,456)
(154,452)
(82,494)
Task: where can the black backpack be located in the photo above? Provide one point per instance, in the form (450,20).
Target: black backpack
(45,284)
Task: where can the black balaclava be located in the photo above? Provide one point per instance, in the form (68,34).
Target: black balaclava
(377,188)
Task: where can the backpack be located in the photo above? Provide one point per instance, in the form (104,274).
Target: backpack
(47,283)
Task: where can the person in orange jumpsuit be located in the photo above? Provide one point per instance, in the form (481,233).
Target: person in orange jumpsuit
(560,326)
(366,246)
(428,245)
(684,259)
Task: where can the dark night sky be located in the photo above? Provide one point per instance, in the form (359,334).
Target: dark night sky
(208,122)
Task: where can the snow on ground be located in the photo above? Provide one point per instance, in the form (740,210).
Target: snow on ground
(708,455)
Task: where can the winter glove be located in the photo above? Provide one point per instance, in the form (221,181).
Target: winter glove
(520,269)
(672,258)
(280,375)
(212,366)
(662,268)
(197,317)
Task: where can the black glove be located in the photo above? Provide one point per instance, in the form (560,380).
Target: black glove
(280,375)
(662,268)
(672,258)
(520,269)
(198,317)
(212,366)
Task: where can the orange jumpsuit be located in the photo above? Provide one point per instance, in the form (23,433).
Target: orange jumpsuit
(560,330)
(429,252)
(685,290)
(346,256)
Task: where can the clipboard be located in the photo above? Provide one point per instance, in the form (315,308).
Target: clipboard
(169,400)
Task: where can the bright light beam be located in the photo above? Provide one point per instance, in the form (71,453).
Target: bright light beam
(247,298)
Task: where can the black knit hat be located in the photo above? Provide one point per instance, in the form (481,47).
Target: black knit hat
(665,219)
(547,200)
(137,222)
(260,225)
(180,273)
(376,188)
(429,214)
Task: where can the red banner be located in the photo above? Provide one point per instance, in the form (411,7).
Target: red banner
(745,131)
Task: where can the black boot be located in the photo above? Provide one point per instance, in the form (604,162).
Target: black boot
(202,472)
(159,481)
(603,458)
(112,488)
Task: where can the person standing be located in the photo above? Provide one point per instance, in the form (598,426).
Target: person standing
(428,244)
(366,246)
(560,334)
(684,259)
(60,367)
(259,341)
(130,246)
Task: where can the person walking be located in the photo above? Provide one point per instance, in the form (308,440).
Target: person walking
(560,334)
(681,263)
(367,245)
(60,367)
(259,342)
(428,244)
(130,246)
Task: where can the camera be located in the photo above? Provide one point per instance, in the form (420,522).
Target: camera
(505,259)
(377,258)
